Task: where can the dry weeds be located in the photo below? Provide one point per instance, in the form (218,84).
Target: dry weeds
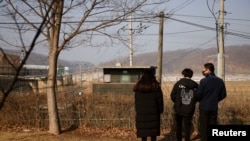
(21,119)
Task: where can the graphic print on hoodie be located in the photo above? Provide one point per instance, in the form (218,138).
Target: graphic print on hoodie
(186,95)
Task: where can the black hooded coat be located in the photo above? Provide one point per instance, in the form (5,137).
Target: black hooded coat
(148,108)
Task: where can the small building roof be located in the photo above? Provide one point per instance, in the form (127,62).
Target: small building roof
(126,67)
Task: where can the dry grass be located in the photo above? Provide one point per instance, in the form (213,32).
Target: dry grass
(44,136)
(103,117)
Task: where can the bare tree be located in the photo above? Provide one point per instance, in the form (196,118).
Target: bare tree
(72,23)
(14,62)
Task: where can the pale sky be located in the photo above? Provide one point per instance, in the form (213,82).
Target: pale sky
(177,34)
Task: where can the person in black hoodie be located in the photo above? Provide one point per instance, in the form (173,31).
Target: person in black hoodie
(148,106)
(210,92)
(183,96)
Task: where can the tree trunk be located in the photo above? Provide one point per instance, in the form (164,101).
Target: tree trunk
(54,123)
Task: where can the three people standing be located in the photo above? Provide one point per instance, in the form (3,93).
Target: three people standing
(185,93)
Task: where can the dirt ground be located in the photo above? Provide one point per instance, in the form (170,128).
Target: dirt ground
(29,135)
(44,136)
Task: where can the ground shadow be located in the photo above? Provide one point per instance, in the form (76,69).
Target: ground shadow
(168,137)
(171,136)
(70,129)
(75,123)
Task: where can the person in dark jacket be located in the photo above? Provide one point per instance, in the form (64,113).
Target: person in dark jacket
(148,106)
(210,92)
(183,96)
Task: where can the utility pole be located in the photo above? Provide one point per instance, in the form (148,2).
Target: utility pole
(81,75)
(160,47)
(138,30)
(131,43)
(23,53)
(221,57)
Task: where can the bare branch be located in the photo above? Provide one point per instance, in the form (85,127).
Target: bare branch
(18,69)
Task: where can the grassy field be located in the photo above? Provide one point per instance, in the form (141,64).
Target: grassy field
(104,117)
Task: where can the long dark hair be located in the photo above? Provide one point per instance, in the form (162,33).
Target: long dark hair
(147,83)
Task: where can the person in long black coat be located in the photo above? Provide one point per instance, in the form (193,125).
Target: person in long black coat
(149,106)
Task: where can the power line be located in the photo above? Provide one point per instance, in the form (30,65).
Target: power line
(207,17)
(209,28)
(150,17)
(127,19)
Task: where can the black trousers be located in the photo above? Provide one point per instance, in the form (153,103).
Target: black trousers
(183,123)
(206,118)
(153,138)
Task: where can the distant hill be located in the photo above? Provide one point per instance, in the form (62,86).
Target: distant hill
(40,59)
(236,59)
